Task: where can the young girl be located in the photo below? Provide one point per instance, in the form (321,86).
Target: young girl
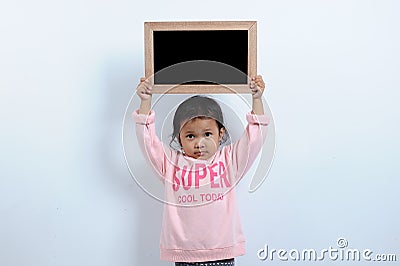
(201,224)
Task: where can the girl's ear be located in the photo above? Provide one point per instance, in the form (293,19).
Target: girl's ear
(221,133)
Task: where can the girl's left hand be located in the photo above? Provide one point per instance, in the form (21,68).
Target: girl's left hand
(257,86)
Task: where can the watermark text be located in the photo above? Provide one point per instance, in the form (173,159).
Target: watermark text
(339,253)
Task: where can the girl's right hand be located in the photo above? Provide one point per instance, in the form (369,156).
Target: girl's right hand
(143,90)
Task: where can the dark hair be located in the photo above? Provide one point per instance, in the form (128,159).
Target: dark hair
(197,107)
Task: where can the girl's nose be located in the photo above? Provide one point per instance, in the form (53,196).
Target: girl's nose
(199,143)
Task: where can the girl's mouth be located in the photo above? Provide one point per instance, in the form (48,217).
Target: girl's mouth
(200,153)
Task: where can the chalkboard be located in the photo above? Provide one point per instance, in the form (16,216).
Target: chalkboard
(200,57)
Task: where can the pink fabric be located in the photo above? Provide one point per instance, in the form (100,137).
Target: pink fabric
(201,221)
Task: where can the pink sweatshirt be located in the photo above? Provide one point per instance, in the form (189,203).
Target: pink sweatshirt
(201,221)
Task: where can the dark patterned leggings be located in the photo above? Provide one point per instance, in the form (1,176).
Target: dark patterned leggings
(227,262)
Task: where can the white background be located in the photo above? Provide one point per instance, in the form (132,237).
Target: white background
(69,68)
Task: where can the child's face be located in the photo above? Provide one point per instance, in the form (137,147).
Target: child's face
(200,137)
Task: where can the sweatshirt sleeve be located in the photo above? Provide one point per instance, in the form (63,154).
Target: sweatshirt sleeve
(246,149)
(151,146)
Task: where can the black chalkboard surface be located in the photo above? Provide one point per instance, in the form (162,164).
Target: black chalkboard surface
(227,47)
(200,57)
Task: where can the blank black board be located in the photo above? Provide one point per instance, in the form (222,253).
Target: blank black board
(228,47)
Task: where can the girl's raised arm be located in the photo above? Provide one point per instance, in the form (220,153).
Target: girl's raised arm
(152,148)
(145,94)
(246,149)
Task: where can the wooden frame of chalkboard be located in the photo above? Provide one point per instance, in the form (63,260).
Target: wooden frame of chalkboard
(200,57)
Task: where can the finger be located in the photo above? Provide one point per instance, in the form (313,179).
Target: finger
(258,77)
(252,84)
(146,84)
(260,83)
(142,86)
(142,80)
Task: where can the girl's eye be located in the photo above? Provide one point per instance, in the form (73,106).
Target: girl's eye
(208,134)
(190,136)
